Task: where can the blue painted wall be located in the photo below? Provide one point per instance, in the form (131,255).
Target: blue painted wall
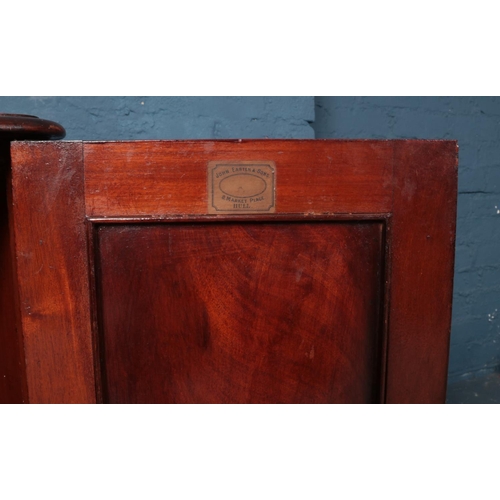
(109,118)
(475,123)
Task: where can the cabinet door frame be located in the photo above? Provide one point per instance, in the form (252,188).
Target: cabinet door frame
(61,191)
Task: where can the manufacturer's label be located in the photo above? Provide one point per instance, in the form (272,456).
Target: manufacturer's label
(241,187)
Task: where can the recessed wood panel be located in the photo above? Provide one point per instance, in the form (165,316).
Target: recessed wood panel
(240,312)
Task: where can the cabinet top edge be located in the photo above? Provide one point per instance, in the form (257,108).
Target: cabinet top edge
(246,141)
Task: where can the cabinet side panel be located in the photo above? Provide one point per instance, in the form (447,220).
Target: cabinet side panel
(12,375)
(423,242)
(52,271)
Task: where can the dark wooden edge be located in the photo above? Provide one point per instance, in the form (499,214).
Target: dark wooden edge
(95,300)
(15,127)
(302,217)
(13,384)
(383,340)
(283,141)
(421,273)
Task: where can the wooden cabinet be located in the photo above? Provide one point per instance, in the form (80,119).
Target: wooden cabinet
(242,271)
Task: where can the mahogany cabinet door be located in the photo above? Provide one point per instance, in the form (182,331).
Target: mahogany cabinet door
(171,272)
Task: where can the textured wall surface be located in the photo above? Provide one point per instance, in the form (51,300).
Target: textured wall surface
(110,118)
(475,123)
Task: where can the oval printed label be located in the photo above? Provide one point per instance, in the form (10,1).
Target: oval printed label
(241,187)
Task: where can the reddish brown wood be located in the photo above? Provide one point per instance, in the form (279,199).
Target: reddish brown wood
(162,331)
(28,127)
(170,177)
(13,387)
(241,313)
(13,384)
(52,271)
(423,252)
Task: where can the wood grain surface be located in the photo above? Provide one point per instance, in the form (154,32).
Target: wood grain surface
(241,312)
(343,295)
(15,127)
(423,254)
(52,271)
(170,177)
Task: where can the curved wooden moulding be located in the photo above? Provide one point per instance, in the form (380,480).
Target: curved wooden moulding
(15,127)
